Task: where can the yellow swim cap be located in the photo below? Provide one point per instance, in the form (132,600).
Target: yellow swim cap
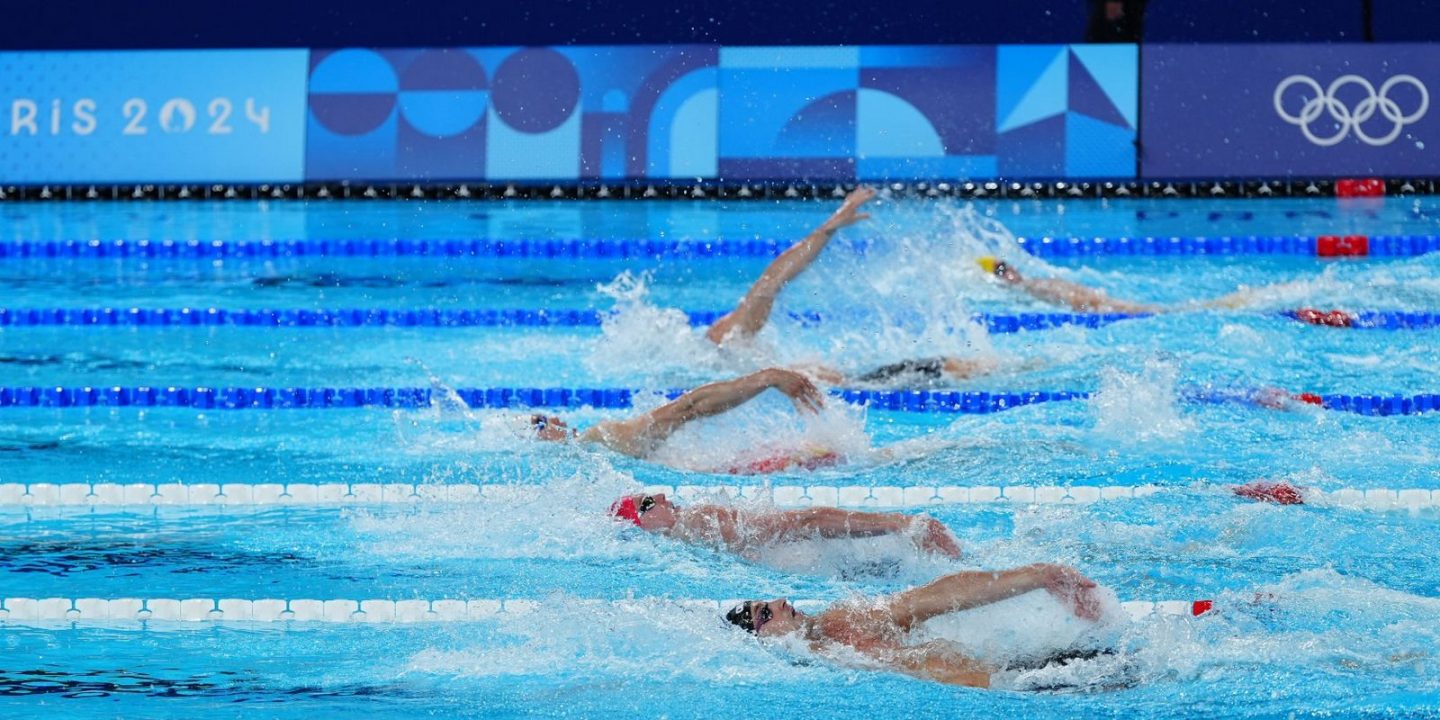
(988,264)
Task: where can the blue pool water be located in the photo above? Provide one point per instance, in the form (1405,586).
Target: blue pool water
(1327,608)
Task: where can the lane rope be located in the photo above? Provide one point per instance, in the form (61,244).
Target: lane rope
(914,401)
(19,496)
(80,611)
(629,249)
(995,323)
(446,317)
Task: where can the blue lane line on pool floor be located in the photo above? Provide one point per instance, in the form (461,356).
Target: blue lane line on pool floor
(631,249)
(917,401)
(549,317)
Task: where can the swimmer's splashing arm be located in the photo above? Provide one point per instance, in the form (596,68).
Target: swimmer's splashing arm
(930,534)
(968,590)
(754,309)
(637,436)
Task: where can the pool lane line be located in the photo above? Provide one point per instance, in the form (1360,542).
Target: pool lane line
(1328,245)
(912,401)
(995,323)
(22,496)
(447,318)
(123,611)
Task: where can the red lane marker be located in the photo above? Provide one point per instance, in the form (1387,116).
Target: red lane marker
(1347,246)
(1310,399)
(1360,187)
(1200,607)
(1333,318)
(1276,492)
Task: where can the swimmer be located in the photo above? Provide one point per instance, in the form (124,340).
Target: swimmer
(879,628)
(1087,299)
(743,531)
(750,316)
(640,436)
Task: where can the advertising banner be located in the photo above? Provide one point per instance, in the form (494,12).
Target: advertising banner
(701,112)
(562,113)
(921,112)
(152,117)
(1289,110)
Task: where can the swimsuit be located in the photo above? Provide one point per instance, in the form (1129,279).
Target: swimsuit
(922,369)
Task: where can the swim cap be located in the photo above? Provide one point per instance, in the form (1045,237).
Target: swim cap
(1277,492)
(625,509)
(988,264)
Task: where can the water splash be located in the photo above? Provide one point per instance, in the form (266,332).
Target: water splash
(1139,407)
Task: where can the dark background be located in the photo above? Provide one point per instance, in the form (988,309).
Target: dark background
(42,24)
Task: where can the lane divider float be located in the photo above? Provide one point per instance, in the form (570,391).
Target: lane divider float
(995,323)
(446,317)
(124,611)
(1327,245)
(19,496)
(914,401)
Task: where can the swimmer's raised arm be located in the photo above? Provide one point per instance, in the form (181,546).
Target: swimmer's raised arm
(931,535)
(967,590)
(638,436)
(754,309)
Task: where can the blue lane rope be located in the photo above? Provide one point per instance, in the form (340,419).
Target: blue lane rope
(436,317)
(623,249)
(918,401)
(549,317)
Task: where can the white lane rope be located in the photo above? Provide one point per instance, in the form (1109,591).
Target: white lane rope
(27,495)
(127,611)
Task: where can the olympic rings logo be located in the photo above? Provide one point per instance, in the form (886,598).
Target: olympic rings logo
(1325,101)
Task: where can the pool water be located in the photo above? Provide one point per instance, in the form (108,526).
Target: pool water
(1320,609)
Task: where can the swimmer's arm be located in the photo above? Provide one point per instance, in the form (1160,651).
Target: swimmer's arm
(754,309)
(940,662)
(1079,297)
(836,523)
(719,397)
(967,590)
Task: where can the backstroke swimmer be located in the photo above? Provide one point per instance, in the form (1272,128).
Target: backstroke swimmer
(1081,298)
(753,312)
(642,435)
(744,531)
(878,629)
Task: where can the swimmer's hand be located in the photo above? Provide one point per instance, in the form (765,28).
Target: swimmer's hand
(849,212)
(935,538)
(1073,590)
(797,387)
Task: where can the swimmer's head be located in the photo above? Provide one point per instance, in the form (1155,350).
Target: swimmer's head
(550,428)
(999,268)
(766,618)
(647,512)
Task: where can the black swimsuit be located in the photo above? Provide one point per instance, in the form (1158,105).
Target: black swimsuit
(928,369)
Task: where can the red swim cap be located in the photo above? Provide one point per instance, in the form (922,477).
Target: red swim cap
(1334,318)
(1276,492)
(625,509)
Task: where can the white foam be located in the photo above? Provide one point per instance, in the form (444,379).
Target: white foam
(1139,407)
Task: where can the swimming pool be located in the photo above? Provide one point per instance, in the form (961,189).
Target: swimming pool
(428,559)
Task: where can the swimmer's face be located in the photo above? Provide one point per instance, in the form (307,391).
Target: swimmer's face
(551,428)
(767,618)
(1006,272)
(659,516)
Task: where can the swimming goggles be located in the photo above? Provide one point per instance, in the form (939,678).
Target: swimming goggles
(744,616)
